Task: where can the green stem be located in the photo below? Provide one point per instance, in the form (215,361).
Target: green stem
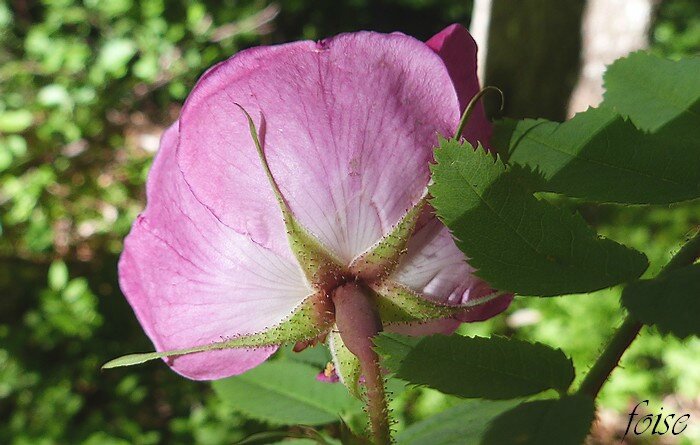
(609,359)
(628,331)
(686,255)
(471,106)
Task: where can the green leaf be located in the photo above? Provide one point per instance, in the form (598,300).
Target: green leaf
(286,393)
(54,95)
(462,424)
(393,348)
(15,121)
(115,54)
(58,275)
(564,421)
(653,92)
(317,355)
(350,437)
(670,301)
(490,368)
(515,241)
(599,156)
(303,435)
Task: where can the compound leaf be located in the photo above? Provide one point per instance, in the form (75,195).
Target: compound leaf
(516,242)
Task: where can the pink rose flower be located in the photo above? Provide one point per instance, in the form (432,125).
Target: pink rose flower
(347,128)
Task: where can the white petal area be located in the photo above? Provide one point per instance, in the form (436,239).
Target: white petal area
(244,290)
(435,267)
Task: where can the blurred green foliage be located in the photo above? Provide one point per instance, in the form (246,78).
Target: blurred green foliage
(86,88)
(677,29)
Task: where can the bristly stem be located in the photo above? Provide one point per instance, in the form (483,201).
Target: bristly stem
(377,407)
(628,331)
(610,358)
(358,323)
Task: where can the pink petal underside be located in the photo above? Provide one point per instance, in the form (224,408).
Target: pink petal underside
(458,49)
(348,131)
(192,281)
(435,267)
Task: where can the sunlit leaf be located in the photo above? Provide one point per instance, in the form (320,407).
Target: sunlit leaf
(462,424)
(115,54)
(15,121)
(286,393)
(655,92)
(599,156)
(58,275)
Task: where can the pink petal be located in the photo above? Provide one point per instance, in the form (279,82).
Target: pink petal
(192,281)
(487,310)
(326,377)
(349,127)
(458,50)
(435,267)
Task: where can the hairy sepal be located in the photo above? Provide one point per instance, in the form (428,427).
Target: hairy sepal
(383,258)
(398,304)
(312,318)
(347,366)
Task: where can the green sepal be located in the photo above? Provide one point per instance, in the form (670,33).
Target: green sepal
(347,366)
(383,257)
(313,317)
(320,267)
(398,304)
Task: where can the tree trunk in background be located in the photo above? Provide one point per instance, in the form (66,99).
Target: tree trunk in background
(532,55)
(479,29)
(611,29)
